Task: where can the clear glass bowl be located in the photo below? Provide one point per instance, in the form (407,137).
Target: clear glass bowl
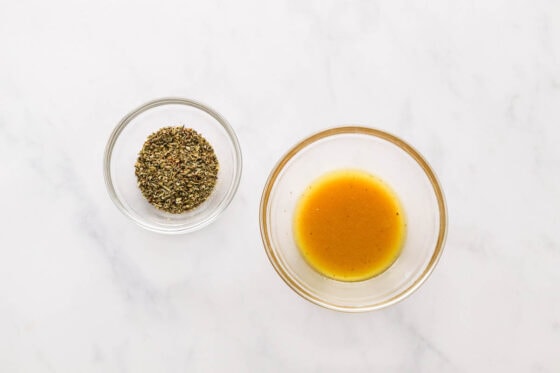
(126,142)
(380,154)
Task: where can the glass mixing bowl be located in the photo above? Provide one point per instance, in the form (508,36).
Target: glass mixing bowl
(377,153)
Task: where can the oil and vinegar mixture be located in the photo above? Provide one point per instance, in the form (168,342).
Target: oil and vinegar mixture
(349,225)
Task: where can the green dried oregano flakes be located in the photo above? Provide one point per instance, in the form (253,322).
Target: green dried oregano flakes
(176,169)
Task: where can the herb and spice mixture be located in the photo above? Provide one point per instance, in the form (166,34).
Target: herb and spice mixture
(177,169)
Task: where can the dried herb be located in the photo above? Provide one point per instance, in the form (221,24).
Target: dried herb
(176,169)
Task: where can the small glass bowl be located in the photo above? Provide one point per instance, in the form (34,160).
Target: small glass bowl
(127,140)
(377,153)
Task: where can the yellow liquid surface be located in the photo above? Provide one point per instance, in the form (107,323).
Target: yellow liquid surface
(349,225)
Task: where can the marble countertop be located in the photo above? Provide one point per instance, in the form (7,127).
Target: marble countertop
(475,86)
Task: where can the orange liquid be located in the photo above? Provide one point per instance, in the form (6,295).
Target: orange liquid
(349,225)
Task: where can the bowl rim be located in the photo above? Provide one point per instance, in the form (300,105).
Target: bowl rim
(352,129)
(127,119)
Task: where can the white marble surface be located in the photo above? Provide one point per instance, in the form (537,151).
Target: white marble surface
(474,85)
